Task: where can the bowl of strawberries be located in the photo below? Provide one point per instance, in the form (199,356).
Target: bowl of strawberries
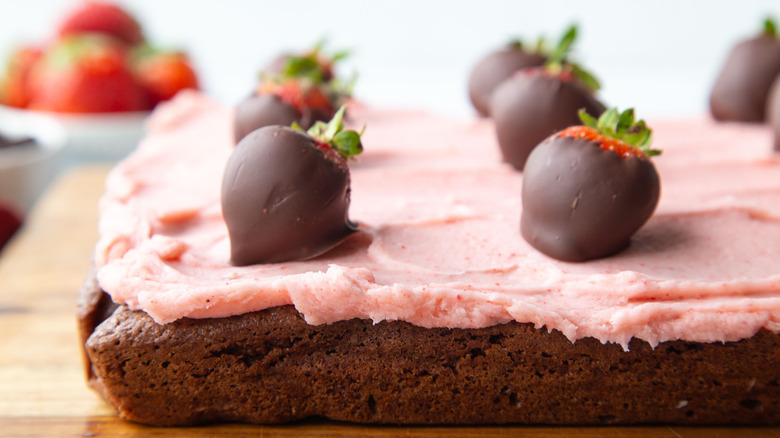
(27,166)
(97,77)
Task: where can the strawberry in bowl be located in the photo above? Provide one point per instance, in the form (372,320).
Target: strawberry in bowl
(97,77)
(87,73)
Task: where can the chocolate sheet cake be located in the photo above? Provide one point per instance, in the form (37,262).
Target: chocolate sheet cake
(271,366)
(436,311)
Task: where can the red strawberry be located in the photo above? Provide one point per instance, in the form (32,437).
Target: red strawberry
(588,189)
(536,102)
(163,74)
(741,90)
(85,74)
(105,18)
(14,87)
(9,223)
(285,192)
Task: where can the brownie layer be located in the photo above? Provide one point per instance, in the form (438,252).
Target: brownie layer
(271,366)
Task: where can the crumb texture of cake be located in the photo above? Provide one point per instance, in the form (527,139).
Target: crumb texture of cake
(271,366)
(440,244)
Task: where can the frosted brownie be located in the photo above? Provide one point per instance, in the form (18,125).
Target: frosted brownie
(438,311)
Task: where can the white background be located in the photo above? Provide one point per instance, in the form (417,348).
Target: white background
(660,56)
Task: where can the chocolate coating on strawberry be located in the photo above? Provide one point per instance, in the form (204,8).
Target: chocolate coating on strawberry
(741,89)
(496,68)
(773,112)
(285,193)
(258,110)
(584,196)
(534,104)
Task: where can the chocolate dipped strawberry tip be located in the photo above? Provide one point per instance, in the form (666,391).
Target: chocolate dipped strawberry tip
(332,135)
(619,132)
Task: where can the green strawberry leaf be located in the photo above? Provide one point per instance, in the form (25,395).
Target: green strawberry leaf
(346,143)
(558,60)
(349,142)
(622,126)
(340,55)
(585,77)
(516,44)
(770,28)
(303,67)
(562,50)
(587,119)
(540,45)
(626,120)
(608,122)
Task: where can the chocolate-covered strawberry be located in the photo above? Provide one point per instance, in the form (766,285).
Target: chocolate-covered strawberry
(741,89)
(285,192)
(589,188)
(300,89)
(773,111)
(496,68)
(537,102)
(284,102)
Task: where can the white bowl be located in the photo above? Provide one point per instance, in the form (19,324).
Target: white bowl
(26,170)
(105,137)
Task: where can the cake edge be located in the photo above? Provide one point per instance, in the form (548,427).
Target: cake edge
(272,367)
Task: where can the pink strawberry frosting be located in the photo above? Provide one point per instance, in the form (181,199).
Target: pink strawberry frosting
(440,243)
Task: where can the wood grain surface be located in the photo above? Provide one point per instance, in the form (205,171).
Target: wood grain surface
(42,389)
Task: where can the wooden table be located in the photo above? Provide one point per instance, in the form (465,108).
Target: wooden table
(42,389)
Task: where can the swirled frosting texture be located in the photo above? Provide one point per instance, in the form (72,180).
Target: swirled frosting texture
(441,245)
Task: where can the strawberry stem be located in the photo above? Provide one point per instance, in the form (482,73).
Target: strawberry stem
(313,65)
(624,127)
(562,50)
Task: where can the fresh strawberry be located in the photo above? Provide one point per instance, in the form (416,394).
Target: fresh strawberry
(741,90)
(85,74)
(9,223)
(588,189)
(285,192)
(14,86)
(537,102)
(163,74)
(102,17)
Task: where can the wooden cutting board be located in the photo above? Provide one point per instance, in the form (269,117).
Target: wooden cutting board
(42,389)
